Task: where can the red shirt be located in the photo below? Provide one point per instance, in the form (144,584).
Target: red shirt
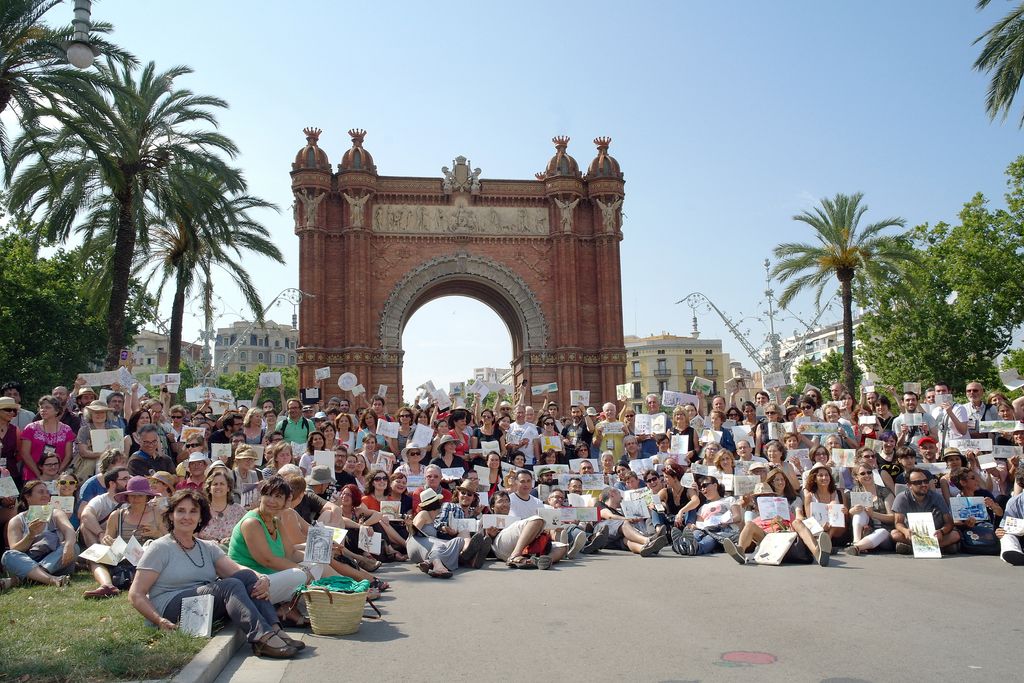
(445,494)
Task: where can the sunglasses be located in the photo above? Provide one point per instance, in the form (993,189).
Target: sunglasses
(918,482)
(66,482)
(8,410)
(652,479)
(380,478)
(703,486)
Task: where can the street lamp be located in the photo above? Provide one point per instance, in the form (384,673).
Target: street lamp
(80,51)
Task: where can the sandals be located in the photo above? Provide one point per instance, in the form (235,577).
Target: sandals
(63,581)
(522,562)
(424,567)
(294,622)
(8,583)
(379,585)
(373,567)
(434,574)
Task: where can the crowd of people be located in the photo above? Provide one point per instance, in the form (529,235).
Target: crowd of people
(192,503)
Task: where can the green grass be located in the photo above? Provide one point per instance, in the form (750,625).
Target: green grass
(54,635)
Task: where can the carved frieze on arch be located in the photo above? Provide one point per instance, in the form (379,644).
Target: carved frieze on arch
(470,275)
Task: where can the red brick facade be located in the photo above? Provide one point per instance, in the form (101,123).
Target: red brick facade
(544,254)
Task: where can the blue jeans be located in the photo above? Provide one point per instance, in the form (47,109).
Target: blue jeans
(232,600)
(706,543)
(19,564)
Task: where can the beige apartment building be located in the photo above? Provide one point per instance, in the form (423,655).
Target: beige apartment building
(666,361)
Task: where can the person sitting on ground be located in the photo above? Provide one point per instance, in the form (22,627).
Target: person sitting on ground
(574,534)
(871,525)
(179,565)
(821,488)
(921,497)
(135,518)
(717,519)
(439,558)
(1009,541)
(42,550)
(622,531)
(805,548)
(94,514)
(978,537)
(225,512)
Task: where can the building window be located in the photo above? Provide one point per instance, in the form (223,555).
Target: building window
(709,352)
(243,356)
(636,368)
(661,352)
(259,356)
(689,366)
(140,349)
(636,390)
(636,354)
(149,361)
(662,386)
(279,358)
(277,343)
(709,365)
(688,351)
(662,365)
(241,368)
(291,360)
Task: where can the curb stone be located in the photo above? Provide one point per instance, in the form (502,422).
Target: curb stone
(211,660)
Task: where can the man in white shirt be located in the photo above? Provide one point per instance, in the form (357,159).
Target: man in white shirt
(521,435)
(522,503)
(977,409)
(907,434)
(950,418)
(94,514)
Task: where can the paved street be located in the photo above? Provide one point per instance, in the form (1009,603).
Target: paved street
(616,616)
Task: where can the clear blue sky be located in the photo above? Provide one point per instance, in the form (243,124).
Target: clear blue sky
(727,119)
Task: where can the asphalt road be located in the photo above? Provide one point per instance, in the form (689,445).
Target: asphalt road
(616,616)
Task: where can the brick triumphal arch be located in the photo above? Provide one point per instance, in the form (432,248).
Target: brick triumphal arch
(544,254)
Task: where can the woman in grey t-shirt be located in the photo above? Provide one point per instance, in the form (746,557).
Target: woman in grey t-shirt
(179,565)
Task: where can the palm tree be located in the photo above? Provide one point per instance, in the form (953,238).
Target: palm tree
(1003,57)
(202,227)
(110,158)
(34,67)
(855,257)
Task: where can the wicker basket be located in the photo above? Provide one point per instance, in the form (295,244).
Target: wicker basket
(332,613)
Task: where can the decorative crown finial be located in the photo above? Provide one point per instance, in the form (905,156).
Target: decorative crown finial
(541,176)
(312,135)
(602,142)
(561,141)
(357,136)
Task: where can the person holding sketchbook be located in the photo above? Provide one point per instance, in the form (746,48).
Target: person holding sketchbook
(1009,538)
(920,496)
(40,548)
(179,565)
(872,524)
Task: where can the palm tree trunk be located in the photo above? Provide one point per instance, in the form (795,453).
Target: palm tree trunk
(846,292)
(177,321)
(124,254)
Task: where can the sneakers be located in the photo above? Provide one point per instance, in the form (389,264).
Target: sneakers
(597,541)
(481,556)
(734,552)
(852,550)
(1014,557)
(577,545)
(824,550)
(653,546)
(904,549)
(469,555)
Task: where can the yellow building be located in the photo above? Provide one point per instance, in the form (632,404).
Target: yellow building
(665,361)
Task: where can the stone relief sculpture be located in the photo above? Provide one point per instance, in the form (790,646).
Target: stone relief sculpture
(310,200)
(474,220)
(565,208)
(609,212)
(355,205)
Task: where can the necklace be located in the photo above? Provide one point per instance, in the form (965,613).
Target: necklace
(202,559)
(220,513)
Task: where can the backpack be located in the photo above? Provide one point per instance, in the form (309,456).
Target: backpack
(303,421)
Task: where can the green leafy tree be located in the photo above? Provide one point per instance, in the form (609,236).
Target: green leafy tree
(49,335)
(954,312)
(825,372)
(1002,56)
(856,257)
(196,226)
(244,384)
(110,158)
(34,69)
